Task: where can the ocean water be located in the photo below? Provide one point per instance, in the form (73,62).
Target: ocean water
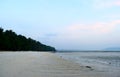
(104,59)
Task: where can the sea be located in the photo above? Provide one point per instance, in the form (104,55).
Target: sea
(104,60)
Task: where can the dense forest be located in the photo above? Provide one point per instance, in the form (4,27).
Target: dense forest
(10,41)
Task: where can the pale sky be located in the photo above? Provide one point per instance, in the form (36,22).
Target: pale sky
(65,24)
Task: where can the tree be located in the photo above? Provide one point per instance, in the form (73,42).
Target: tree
(9,40)
(1,39)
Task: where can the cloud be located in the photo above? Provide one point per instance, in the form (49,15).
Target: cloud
(112,16)
(92,31)
(79,36)
(51,35)
(94,28)
(105,3)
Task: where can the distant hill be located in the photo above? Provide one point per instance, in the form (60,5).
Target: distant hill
(10,41)
(113,49)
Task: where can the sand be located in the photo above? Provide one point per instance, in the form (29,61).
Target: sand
(44,64)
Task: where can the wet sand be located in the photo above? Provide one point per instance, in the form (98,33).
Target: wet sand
(44,64)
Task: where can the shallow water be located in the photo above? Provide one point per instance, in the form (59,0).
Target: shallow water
(109,59)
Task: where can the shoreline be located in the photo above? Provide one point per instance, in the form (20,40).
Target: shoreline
(43,64)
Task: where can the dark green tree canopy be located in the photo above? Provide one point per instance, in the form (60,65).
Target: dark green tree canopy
(10,41)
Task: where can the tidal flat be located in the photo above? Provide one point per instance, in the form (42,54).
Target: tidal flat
(45,64)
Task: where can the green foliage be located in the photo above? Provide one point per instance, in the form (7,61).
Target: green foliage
(10,41)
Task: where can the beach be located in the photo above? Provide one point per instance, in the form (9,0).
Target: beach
(45,64)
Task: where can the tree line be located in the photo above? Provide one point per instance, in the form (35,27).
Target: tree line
(10,41)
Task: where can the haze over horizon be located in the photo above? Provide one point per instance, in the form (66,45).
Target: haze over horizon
(65,24)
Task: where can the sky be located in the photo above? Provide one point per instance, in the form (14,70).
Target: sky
(65,24)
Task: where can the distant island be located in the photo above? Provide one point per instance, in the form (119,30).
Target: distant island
(10,41)
(113,49)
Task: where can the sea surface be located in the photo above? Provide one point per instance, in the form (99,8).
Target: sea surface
(104,59)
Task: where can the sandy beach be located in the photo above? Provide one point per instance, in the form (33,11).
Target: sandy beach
(44,64)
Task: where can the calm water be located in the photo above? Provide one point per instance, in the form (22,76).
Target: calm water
(93,58)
